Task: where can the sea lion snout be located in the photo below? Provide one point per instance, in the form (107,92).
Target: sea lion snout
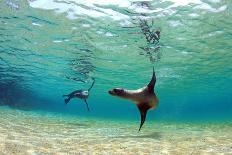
(116,91)
(111,92)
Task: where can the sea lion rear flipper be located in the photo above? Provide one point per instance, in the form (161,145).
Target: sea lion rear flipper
(87,104)
(143,107)
(67,100)
(151,84)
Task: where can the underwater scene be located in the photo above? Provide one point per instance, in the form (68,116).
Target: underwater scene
(115,77)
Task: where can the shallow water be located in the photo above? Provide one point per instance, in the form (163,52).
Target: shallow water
(44,44)
(49,48)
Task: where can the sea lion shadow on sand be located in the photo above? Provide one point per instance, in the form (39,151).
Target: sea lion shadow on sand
(153,135)
(79,125)
(83,124)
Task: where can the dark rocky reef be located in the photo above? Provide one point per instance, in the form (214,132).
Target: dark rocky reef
(13,95)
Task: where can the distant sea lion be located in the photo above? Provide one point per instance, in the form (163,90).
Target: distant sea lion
(144,98)
(81,94)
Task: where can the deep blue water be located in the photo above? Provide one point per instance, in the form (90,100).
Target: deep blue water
(44,44)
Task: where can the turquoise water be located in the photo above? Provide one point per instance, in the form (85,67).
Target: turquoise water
(44,44)
(49,48)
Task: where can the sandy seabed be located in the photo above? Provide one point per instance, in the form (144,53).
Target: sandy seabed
(23,132)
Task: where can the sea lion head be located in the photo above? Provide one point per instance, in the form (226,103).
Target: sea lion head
(85,92)
(120,92)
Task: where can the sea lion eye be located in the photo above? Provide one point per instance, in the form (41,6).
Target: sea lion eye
(118,90)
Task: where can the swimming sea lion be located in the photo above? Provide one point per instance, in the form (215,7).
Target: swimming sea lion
(81,94)
(145,98)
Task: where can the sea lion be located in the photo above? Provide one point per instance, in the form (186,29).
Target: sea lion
(81,94)
(144,98)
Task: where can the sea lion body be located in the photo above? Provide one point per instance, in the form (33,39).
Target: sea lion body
(81,94)
(142,95)
(145,98)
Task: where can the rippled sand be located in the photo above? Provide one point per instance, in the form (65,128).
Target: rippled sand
(24,132)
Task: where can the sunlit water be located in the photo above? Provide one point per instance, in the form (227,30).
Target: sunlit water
(44,44)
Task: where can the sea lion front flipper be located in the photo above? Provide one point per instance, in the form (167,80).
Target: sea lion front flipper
(87,104)
(143,107)
(151,84)
(92,85)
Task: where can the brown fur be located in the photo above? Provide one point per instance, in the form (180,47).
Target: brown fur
(144,98)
